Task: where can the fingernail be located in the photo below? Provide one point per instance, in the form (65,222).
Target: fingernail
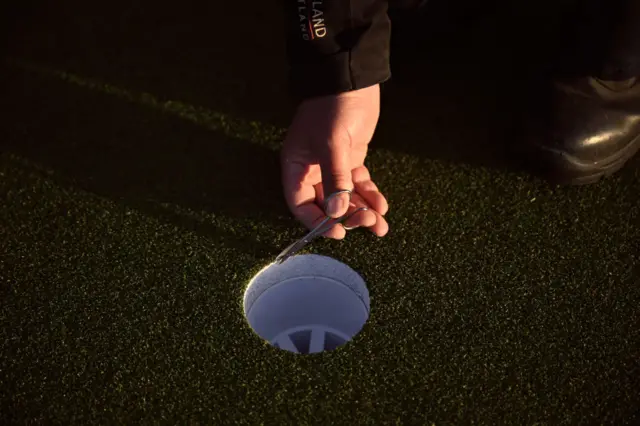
(337,205)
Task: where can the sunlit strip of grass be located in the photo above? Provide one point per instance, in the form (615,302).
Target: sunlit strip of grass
(262,134)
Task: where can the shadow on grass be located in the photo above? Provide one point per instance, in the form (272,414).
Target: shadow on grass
(455,93)
(467,75)
(225,56)
(463,76)
(146,159)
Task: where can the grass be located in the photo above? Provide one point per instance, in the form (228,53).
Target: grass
(130,230)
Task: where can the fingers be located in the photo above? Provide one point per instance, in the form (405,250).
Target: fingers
(336,175)
(301,197)
(305,198)
(381,227)
(368,190)
(366,218)
(371,219)
(311,215)
(360,219)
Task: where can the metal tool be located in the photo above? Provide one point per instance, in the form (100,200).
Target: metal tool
(326,224)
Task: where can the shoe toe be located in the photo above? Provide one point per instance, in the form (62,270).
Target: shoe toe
(591,131)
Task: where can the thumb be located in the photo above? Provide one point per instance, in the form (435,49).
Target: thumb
(335,166)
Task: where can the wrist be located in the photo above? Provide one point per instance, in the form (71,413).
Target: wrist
(370,94)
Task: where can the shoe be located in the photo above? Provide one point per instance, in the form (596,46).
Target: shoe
(591,131)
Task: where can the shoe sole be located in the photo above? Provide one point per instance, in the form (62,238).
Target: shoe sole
(562,168)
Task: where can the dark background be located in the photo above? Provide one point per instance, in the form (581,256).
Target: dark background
(463,71)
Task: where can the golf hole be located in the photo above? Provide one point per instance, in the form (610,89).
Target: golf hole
(308,304)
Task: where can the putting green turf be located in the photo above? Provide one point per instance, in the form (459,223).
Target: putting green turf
(494,298)
(129,229)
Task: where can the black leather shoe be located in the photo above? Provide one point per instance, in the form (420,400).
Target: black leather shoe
(592,130)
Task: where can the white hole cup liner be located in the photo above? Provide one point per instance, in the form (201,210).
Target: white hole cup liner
(307,304)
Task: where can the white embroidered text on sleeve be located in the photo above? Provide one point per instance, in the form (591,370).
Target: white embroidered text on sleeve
(311,15)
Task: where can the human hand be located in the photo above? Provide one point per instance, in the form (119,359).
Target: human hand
(324,152)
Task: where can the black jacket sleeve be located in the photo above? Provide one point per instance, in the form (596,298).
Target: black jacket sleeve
(335,46)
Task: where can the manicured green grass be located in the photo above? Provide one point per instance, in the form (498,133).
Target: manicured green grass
(494,297)
(138,200)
